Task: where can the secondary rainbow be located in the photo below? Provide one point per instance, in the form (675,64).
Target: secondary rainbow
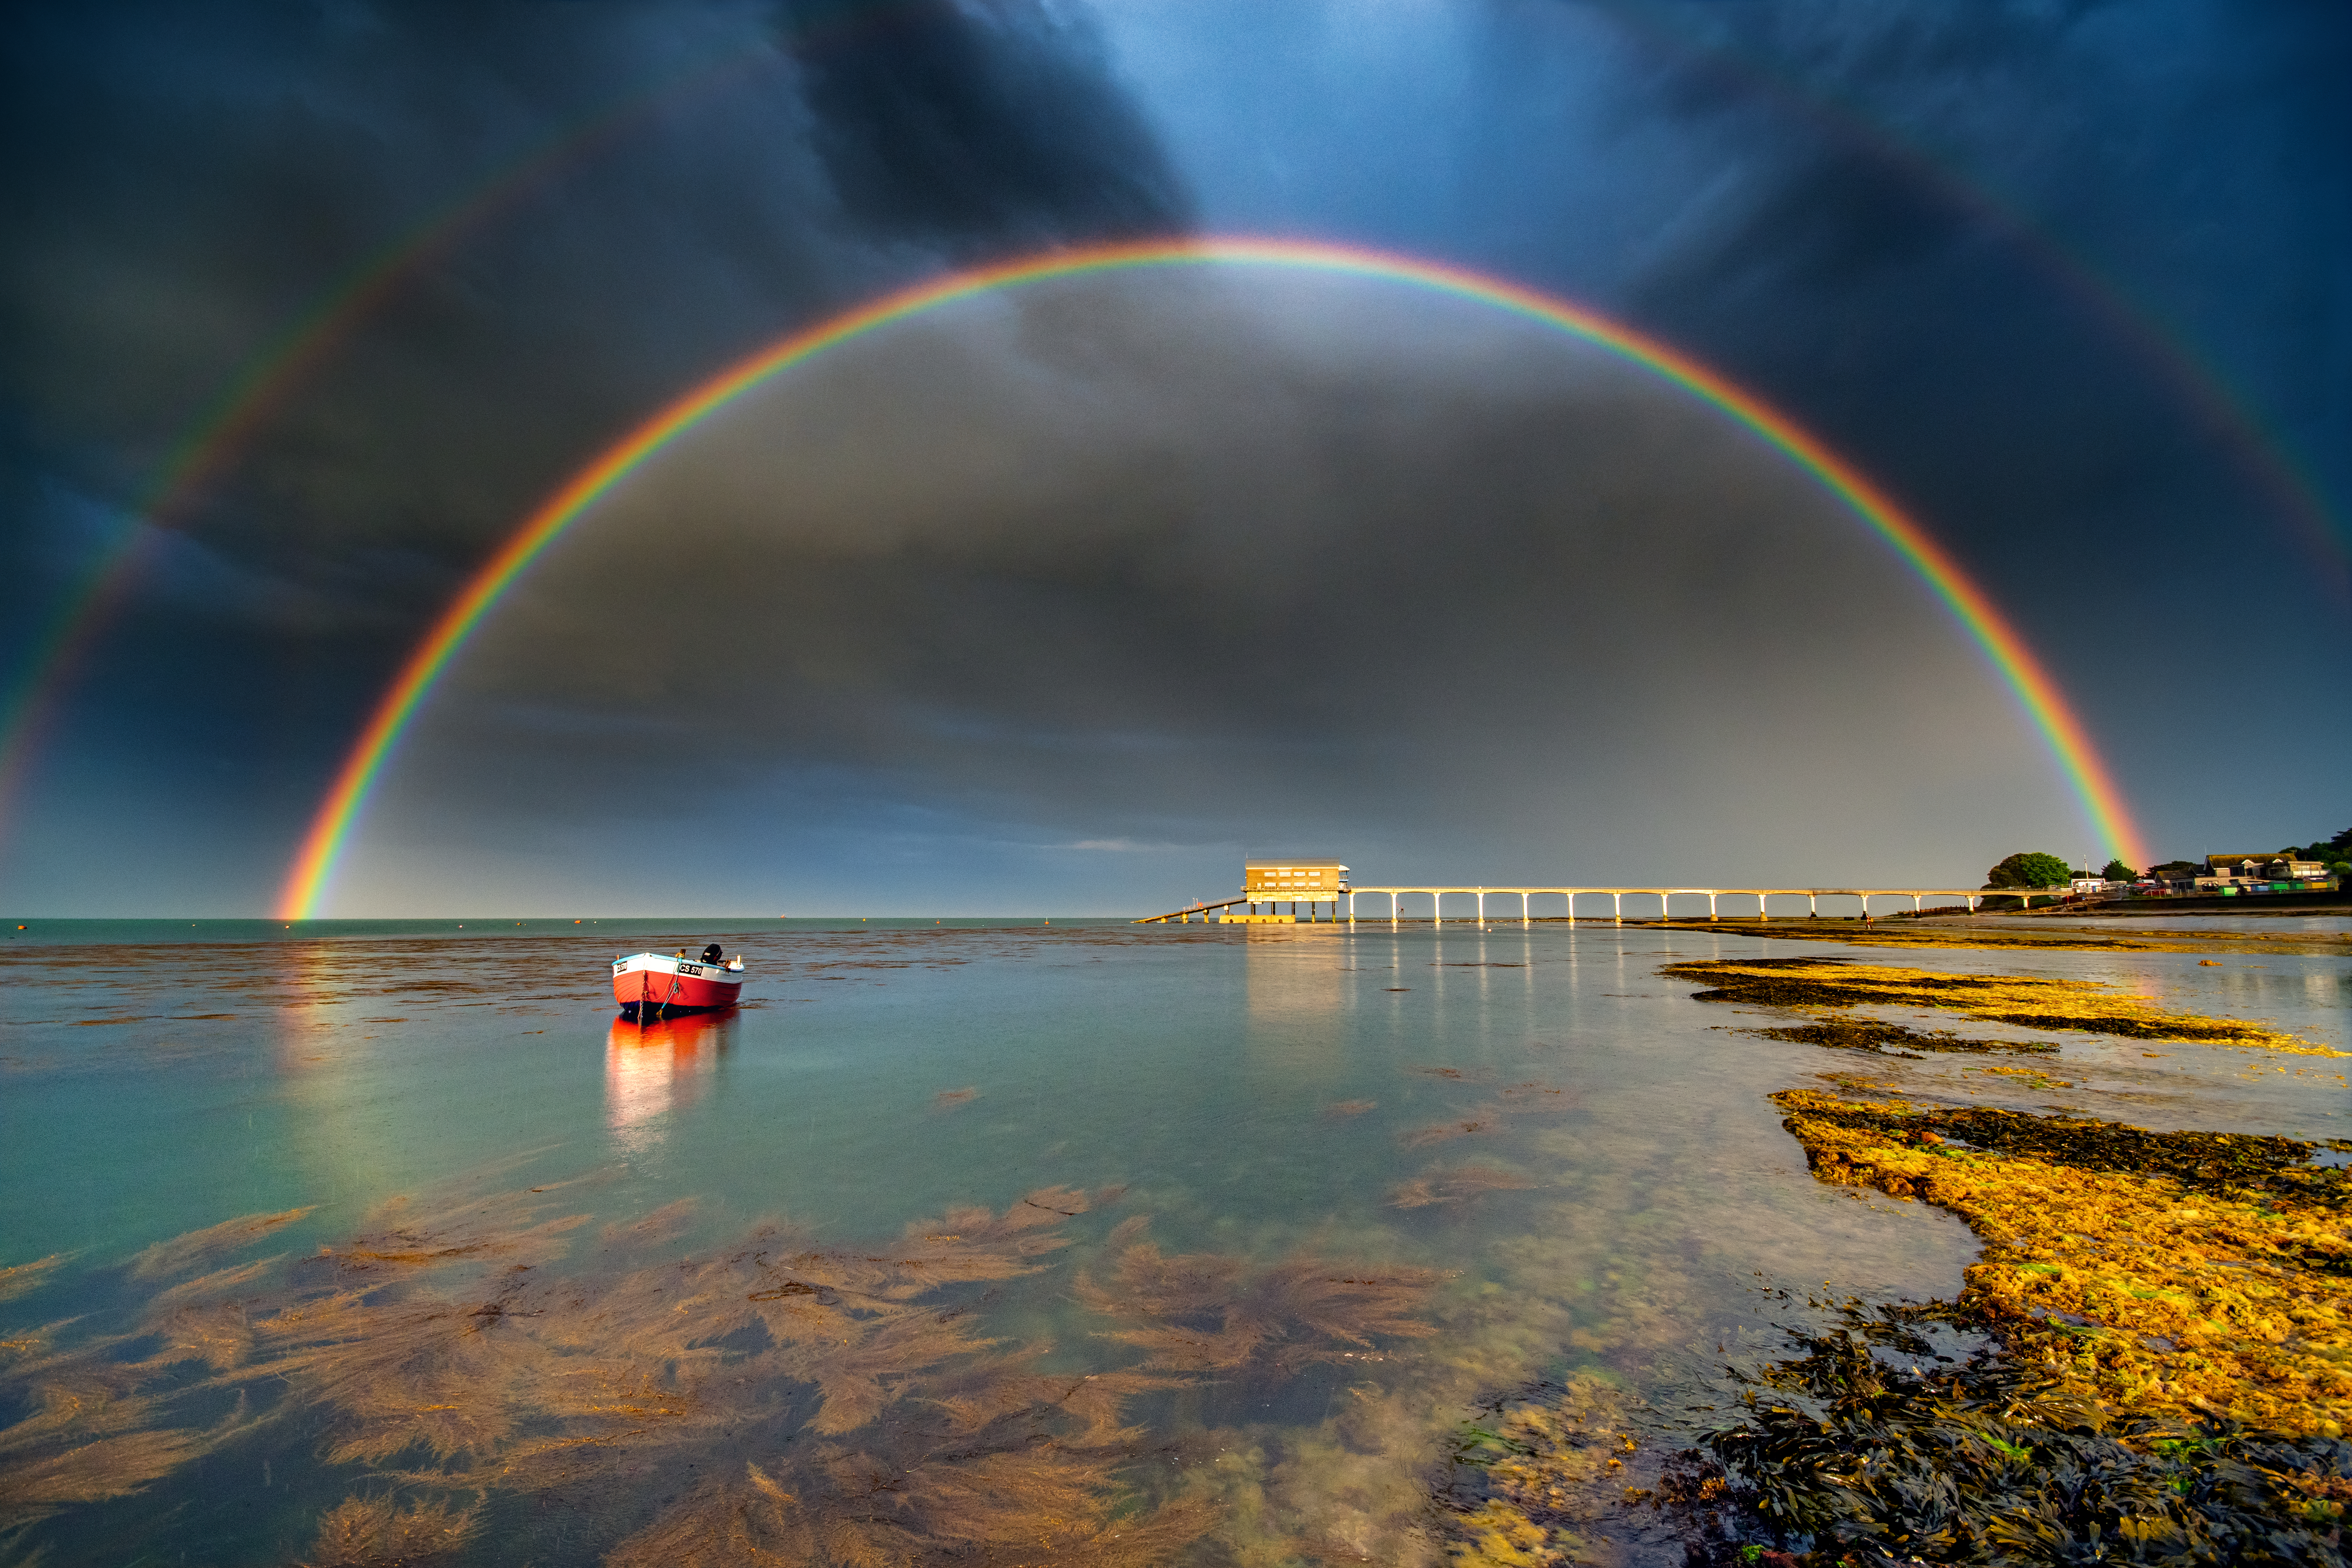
(330,828)
(210,449)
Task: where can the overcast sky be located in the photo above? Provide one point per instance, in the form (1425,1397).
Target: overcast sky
(1065,598)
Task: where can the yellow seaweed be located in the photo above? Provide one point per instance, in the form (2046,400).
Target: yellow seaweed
(2030,1001)
(1549,1465)
(2150,1292)
(19,1279)
(1992,937)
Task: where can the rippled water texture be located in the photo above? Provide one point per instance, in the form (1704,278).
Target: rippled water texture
(1083,1243)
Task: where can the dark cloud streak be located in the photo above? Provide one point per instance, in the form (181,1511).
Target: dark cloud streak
(981,129)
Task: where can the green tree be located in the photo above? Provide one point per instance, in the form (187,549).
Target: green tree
(2029,868)
(2327,851)
(2116,871)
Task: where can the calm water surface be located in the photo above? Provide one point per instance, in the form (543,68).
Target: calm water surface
(954,1235)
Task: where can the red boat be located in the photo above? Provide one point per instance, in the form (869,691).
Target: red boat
(654,984)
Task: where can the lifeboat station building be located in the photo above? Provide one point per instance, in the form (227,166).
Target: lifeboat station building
(1283,885)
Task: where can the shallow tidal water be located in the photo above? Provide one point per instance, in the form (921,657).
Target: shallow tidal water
(1220,1232)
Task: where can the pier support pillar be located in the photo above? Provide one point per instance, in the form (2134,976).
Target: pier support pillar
(1812,906)
(1482,909)
(1617,908)
(1523,911)
(1710,906)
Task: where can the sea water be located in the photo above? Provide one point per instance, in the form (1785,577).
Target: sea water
(382,1239)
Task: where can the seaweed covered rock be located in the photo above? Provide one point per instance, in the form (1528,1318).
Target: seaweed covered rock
(2028,1002)
(1535,1476)
(2150,1364)
(1871,1448)
(2183,1275)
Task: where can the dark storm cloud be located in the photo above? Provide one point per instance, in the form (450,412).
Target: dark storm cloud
(2041,245)
(966,127)
(185,184)
(1952,239)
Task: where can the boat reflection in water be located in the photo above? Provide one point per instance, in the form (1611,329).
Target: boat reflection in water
(653,1069)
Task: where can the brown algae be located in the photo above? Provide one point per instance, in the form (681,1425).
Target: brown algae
(2027,1002)
(782,1400)
(376,1532)
(1442,1184)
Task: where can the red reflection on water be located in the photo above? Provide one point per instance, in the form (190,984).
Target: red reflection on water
(655,1068)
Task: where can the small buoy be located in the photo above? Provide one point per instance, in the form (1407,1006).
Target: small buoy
(2208,963)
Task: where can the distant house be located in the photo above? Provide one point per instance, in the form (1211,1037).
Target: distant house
(1309,881)
(2259,869)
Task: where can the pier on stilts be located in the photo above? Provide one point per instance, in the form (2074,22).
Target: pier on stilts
(1338,906)
(1436,895)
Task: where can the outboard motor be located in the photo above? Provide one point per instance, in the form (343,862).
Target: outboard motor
(712,954)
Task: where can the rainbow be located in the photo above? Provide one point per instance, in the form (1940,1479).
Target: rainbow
(31,703)
(2069,745)
(2201,389)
